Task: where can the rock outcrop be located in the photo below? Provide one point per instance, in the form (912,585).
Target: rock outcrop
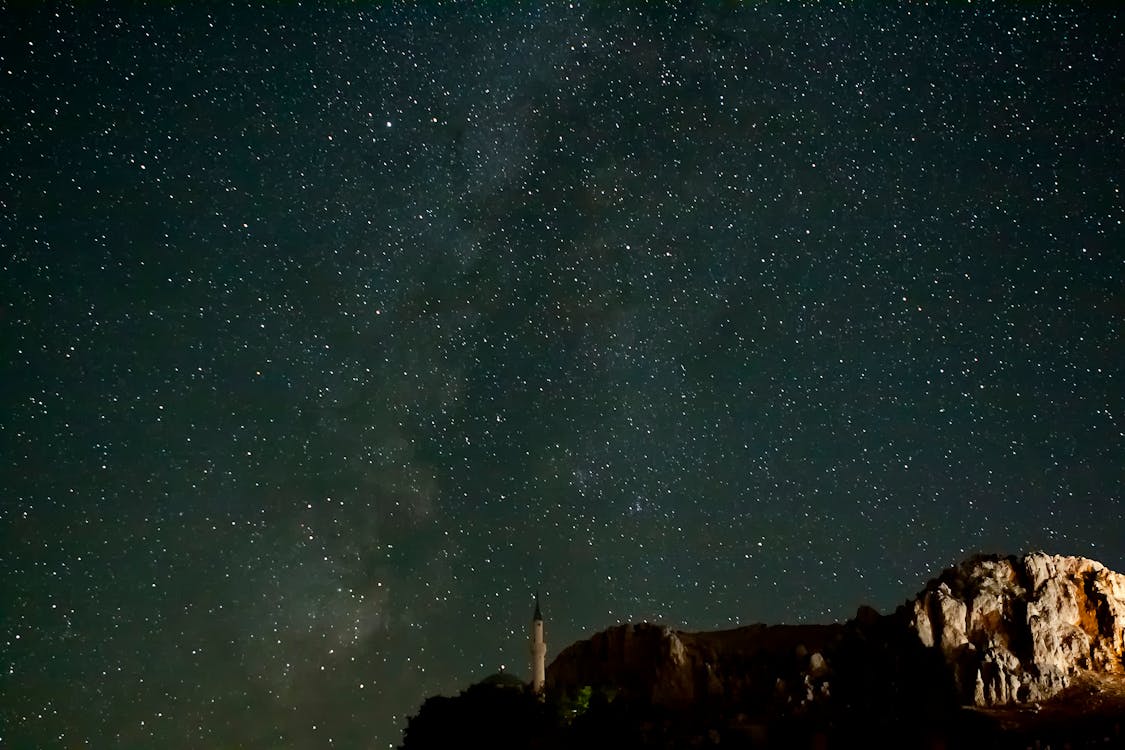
(994,630)
(644,659)
(817,675)
(954,667)
(758,663)
(1018,630)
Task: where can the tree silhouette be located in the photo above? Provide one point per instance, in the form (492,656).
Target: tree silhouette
(493,715)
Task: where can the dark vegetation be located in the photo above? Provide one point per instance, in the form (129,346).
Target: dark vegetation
(506,717)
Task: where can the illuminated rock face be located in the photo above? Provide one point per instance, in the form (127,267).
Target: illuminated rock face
(1018,630)
(990,631)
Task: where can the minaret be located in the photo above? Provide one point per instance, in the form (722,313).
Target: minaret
(538,650)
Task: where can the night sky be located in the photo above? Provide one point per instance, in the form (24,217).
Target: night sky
(328,336)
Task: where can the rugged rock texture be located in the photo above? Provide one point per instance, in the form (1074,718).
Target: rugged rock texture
(815,675)
(675,668)
(994,630)
(996,653)
(644,659)
(1020,630)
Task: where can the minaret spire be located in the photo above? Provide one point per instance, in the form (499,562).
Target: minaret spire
(538,650)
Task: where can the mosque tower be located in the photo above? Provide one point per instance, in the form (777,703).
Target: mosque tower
(538,650)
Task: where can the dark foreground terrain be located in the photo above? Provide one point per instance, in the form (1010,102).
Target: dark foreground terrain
(1090,715)
(998,652)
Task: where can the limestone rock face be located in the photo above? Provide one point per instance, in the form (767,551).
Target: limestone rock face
(1015,630)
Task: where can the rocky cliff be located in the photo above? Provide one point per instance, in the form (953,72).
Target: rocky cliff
(996,653)
(676,668)
(868,666)
(991,631)
(1021,630)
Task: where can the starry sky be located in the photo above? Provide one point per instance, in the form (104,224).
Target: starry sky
(328,335)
